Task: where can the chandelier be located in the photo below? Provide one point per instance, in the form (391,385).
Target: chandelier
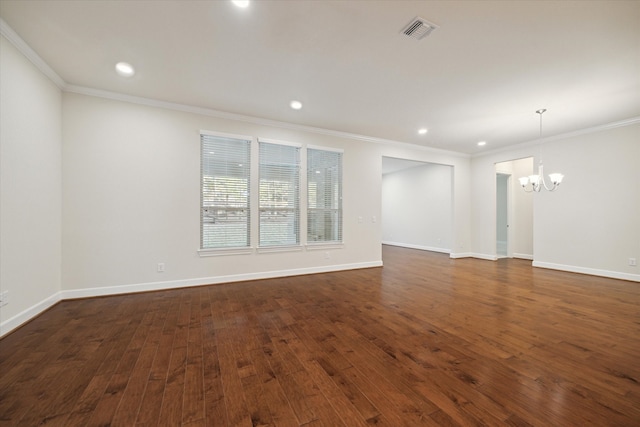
(537,181)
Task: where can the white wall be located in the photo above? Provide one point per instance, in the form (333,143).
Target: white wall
(417,207)
(590,224)
(30,188)
(131,200)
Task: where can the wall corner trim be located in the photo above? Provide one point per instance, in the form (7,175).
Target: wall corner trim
(28,314)
(30,54)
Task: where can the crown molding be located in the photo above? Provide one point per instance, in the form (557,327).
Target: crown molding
(31,55)
(26,50)
(594,129)
(82,90)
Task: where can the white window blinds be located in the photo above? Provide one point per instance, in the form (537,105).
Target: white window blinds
(324,196)
(279,194)
(225,211)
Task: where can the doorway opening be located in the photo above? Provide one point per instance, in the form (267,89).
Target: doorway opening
(417,205)
(514,210)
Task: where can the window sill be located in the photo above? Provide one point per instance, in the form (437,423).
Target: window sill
(274,249)
(224,252)
(324,246)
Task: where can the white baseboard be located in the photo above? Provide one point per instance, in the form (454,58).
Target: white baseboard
(456,255)
(17,320)
(473,255)
(28,314)
(589,271)
(420,247)
(203,281)
(488,257)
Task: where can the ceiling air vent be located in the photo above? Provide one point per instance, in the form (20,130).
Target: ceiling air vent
(419,28)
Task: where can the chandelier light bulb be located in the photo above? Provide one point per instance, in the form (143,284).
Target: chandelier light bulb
(556,178)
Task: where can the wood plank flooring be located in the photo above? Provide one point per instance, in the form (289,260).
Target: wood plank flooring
(424,341)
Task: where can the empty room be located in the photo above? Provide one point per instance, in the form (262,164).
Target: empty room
(319,213)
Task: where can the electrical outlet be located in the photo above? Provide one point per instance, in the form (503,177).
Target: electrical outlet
(4,298)
(161,267)
(327,255)
(633,262)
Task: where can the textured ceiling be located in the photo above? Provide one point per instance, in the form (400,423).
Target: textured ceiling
(480,76)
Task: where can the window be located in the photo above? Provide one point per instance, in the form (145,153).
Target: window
(324,196)
(251,192)
(225,212)
(279,194)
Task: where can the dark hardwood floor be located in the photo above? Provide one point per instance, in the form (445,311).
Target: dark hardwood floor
(426,340)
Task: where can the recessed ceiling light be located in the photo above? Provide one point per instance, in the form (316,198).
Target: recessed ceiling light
(296,105)
(482,143)
(241,3)
(125,69)
(423,131)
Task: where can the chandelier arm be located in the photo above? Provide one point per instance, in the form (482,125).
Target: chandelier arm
(544,183)
(538,181)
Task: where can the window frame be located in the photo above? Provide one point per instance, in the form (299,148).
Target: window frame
(297,210)
(253,199)
(324,244)
(228,250)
